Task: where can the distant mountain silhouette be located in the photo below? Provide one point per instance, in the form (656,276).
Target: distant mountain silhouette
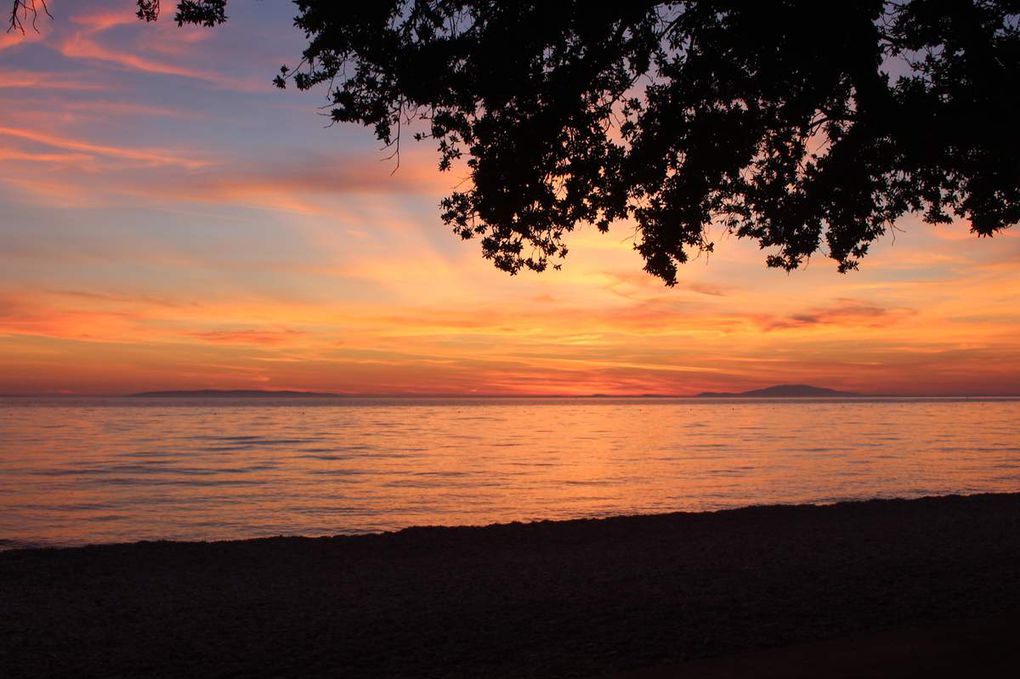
(780,391)
(232,393)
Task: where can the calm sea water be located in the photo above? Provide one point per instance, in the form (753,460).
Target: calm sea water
(76,471)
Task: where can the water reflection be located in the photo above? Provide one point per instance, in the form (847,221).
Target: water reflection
(75,471)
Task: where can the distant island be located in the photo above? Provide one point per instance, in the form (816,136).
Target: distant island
(231,393)
(781,391)
(777,391)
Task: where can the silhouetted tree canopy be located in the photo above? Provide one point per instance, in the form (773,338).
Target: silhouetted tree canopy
(803,125)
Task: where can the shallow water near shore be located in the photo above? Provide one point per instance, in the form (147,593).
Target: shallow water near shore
(86,470)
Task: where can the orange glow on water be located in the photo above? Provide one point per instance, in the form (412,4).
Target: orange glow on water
(87,470)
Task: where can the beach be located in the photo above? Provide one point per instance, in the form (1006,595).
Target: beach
(900,584)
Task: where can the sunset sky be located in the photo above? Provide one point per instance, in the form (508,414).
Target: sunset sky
(172,221)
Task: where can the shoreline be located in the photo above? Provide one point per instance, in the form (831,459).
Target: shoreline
(21,545)
(585,597)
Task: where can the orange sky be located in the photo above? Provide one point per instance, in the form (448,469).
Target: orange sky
(172,221)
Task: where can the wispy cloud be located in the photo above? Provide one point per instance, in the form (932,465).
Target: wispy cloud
(845,312)
(154,157)
(88,41)
(249,336)
(48,81)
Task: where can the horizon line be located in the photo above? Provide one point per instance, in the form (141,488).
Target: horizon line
(308,393)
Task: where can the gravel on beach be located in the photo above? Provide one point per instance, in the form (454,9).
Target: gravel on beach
(583,598)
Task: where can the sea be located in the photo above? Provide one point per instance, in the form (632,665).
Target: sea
(76,471)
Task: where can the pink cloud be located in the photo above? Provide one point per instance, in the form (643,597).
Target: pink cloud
(88,43)
(845,312)
(248,336)
(44,81)
(145,156)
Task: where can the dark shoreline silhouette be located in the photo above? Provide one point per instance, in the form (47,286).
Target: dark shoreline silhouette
(755,393)
(776,391)
(549,599)
(234,393)
(782,391)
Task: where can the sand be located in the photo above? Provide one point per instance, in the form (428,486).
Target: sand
(898,587)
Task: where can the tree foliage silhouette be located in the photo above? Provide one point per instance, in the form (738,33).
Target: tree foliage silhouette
(804,126)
